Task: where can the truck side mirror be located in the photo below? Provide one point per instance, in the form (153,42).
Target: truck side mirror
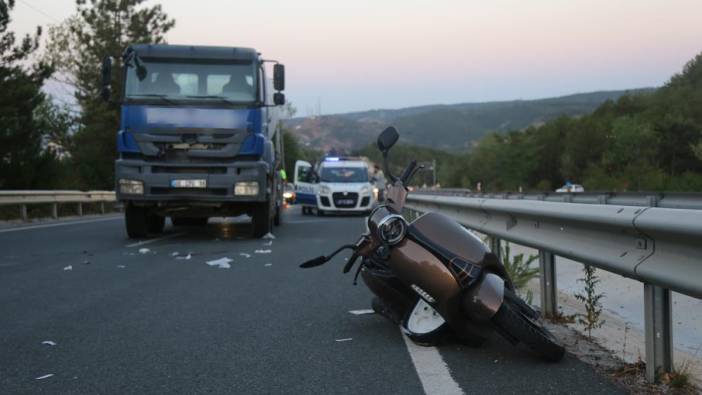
(278,99)
(278,77)
(106,90)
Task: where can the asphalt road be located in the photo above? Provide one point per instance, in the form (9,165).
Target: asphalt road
(131,321)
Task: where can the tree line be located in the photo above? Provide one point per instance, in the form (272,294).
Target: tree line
(46,143)
(643,141)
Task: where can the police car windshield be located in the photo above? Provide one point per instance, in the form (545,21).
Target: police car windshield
(344,174)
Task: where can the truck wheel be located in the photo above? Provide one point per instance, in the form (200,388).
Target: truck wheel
(304,210)
(156,223)
(262,220)
(136,221)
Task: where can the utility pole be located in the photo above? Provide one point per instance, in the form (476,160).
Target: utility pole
(433,171)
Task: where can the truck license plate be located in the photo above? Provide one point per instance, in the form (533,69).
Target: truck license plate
(189,183)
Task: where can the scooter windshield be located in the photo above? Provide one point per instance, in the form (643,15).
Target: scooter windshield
(439,230)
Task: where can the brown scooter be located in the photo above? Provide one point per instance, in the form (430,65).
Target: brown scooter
(434,277)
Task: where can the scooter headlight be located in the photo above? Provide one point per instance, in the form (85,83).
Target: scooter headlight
(392,229)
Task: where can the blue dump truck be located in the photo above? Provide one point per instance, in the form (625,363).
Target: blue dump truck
(199,136)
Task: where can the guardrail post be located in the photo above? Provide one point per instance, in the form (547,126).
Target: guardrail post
(659,330)
(549,290)
(102,207)
(54,211)
(496,247)
(23,212)
(80,209)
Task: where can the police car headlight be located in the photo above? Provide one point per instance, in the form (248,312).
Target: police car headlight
(324,190)
(365,190)
(392,229)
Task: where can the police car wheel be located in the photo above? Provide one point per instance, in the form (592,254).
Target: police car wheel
(320,213)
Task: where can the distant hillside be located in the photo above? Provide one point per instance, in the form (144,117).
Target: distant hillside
(450,127)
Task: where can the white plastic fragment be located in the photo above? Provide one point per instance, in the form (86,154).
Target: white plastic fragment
(262,251)
(268,264)
(69,267)
(269,236)
(269,243)
(144,250)
(362,312)
(121,266)
(46,376)
(222,263)
(174,253)
(187,257)
(344,340)
(49,343)
(245,255)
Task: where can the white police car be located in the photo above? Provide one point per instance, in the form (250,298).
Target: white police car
(337,185)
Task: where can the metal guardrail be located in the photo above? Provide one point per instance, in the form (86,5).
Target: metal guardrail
(25,198)
(661,247)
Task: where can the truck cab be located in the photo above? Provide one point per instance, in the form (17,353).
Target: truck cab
(199,136)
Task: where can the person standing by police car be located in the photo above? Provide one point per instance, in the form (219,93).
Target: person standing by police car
(379,181)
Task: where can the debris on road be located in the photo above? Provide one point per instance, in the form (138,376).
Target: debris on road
(269,236)
(262,251)
(344,340)
(187,257)
(46,376)
(269,243)
(49,343)
(174,253)
(362,312)
(144,250)
(245,255)
(121,266)
(69,267)
(222,263)
(86,262)
(268,264)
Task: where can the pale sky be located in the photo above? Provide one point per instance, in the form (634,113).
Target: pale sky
(364,54)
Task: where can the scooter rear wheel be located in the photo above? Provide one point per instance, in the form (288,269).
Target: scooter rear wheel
(511,319)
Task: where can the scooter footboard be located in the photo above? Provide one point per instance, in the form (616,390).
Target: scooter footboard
(483,299)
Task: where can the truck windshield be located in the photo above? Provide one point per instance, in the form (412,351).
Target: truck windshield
(344,174)
(228,82)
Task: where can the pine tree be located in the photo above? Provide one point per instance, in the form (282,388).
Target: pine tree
(100,28)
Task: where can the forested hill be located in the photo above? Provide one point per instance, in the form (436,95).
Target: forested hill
(453,127)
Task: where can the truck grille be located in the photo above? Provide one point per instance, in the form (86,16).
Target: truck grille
(345,199)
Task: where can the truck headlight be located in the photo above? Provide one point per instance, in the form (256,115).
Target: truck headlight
(324,190)
(246,188)
(365,190)
(131,187)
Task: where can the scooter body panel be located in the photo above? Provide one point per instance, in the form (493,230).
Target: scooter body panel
(484,299)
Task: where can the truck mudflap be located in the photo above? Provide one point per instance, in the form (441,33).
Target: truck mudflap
(201,182)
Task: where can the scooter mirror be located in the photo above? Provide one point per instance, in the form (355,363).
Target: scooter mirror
(387,139)
(318,261)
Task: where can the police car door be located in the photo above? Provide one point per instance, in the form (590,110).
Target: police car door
(305,191)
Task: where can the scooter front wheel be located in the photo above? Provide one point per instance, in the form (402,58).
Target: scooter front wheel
(423,325)
(525,329)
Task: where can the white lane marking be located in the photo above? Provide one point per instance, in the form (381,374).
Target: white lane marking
(149,241)
(432,370)
(348,339)
(42,226)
